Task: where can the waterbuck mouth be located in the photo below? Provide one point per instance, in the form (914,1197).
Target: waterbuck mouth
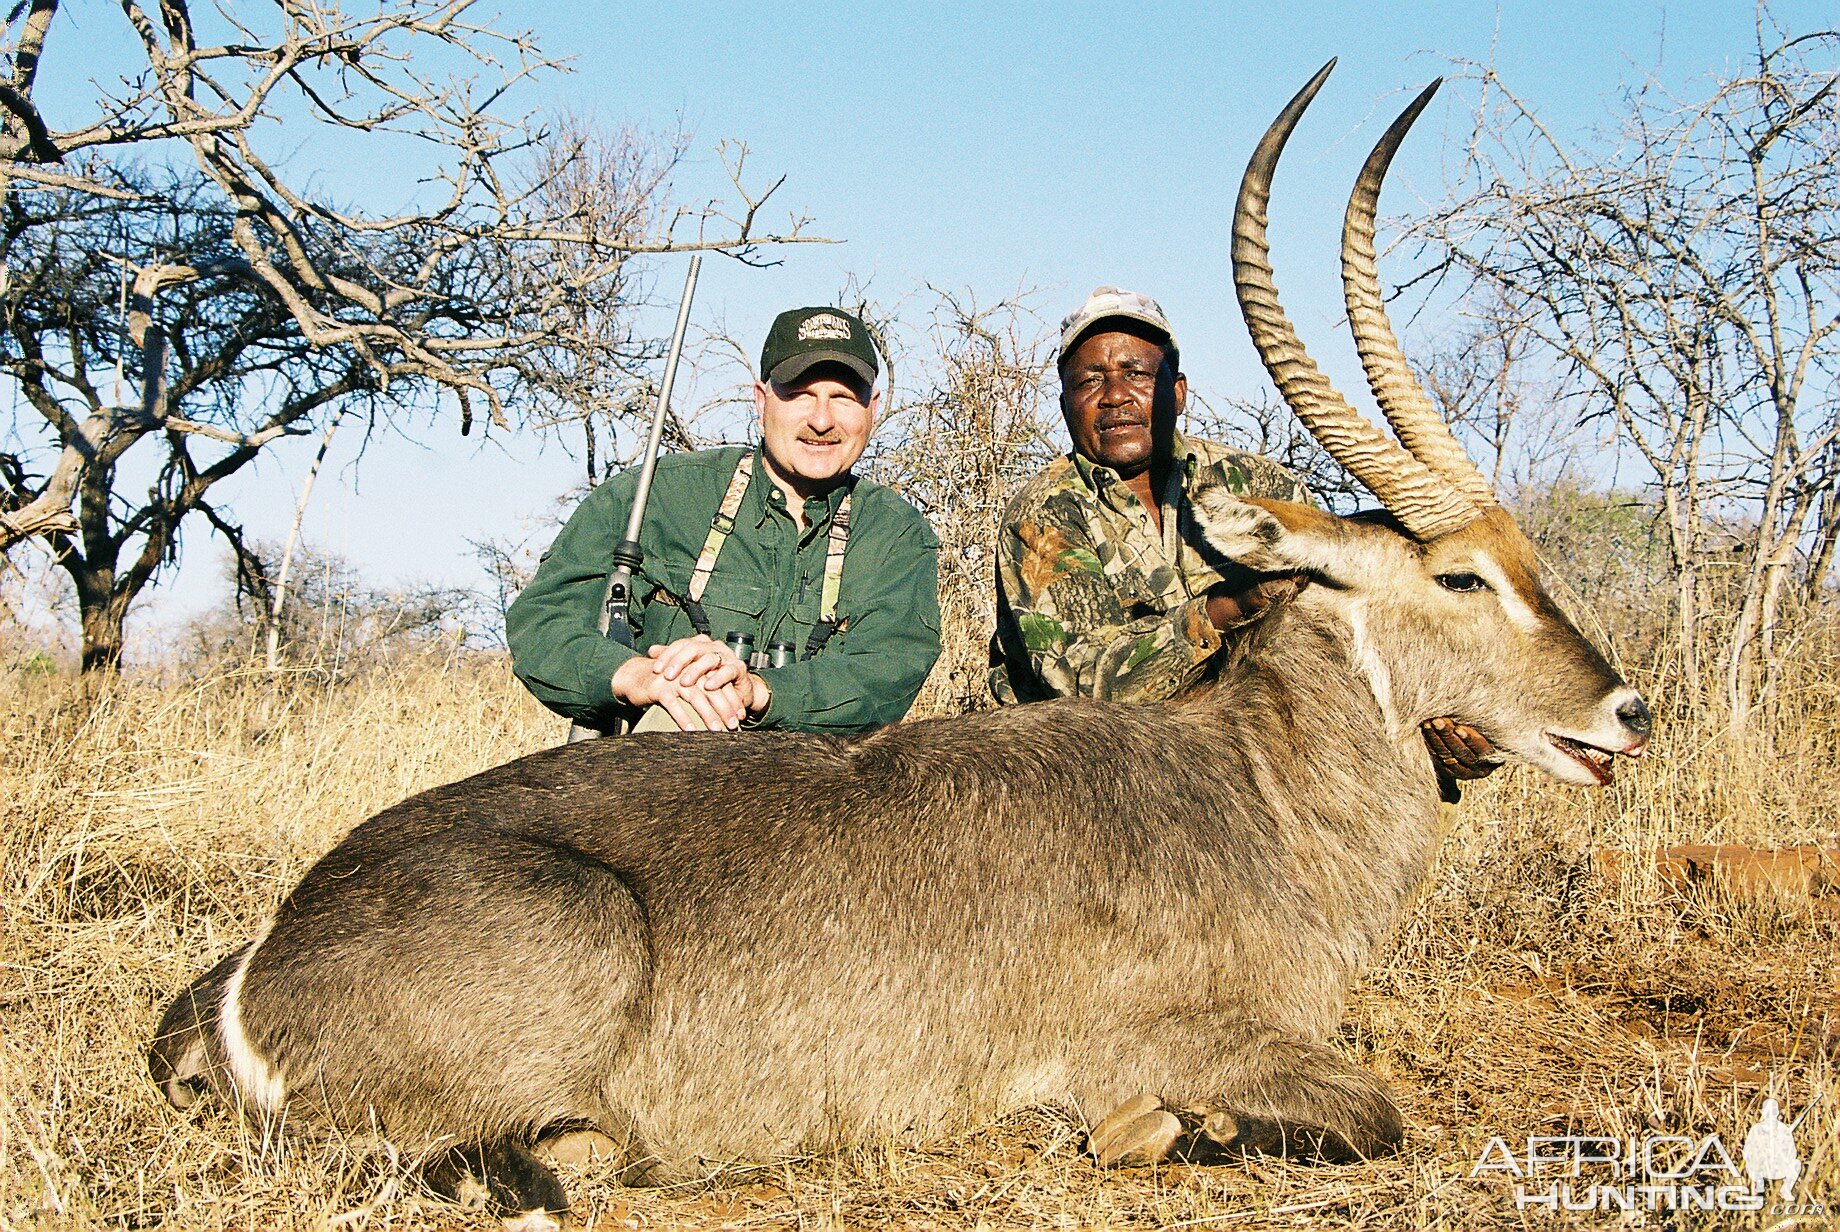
(1600,762)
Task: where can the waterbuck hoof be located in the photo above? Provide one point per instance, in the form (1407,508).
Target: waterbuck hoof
(1144,1131)
(1209,1133)
(1212,1133)
(1137,1133)
(577,1148)
(504,1177)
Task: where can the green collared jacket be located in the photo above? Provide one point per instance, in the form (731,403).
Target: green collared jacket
(768,582)
(1091,600)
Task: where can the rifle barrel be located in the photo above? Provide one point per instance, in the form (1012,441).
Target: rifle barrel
(664,402)
(627,556)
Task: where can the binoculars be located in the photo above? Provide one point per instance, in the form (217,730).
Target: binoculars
(777,654)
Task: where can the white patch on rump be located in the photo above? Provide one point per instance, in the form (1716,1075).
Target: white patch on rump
(256,1081)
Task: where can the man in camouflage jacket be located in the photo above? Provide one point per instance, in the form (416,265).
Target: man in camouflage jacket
(1095,601)
(1105,586)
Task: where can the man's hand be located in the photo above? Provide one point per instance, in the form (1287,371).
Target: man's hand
(1230,605)
(700,683)
(1460,751)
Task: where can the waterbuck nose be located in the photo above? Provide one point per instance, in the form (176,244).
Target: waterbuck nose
(1635,716)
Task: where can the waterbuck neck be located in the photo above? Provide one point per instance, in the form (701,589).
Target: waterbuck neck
(1298,703)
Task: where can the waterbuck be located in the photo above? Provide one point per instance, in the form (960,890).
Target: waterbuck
(736,946)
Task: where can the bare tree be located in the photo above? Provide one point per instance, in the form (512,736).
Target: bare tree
(252,307)
(615,182)
(972,427)
(1265,426)
(227,372)
(1685,271)
(1496,389)
(336,626)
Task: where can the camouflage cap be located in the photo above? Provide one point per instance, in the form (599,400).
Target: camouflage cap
(802,338)
(1107,302)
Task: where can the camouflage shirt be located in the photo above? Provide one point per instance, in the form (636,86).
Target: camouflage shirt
(1091,600)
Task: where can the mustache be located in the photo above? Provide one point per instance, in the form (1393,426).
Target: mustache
(1121,419)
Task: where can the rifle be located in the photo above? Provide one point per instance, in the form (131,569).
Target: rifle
(616,604)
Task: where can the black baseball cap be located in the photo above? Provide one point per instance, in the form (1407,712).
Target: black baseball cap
(802,338)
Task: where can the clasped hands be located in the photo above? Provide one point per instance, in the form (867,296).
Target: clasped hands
(700,683)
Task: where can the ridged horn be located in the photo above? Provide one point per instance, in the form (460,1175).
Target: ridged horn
(1424,504)
(1396,388)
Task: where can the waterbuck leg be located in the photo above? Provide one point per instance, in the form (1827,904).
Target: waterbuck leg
(1144,1130)
(1139,1131)
(1214,1131)
(504,1176)
(1255,1091)
(1296,1097)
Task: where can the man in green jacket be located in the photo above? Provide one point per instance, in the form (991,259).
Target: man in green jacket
(781,542)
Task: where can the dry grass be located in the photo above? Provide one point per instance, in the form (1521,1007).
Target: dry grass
(146,830)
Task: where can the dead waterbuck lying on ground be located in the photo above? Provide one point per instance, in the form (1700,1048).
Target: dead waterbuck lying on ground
(735,946)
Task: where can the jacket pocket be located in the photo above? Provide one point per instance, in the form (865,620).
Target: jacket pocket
(1134,592)
(734,606)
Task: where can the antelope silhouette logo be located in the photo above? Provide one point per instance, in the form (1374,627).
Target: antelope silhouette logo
(1769,1151)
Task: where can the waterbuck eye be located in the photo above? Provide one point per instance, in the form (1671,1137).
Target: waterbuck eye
(1462,583)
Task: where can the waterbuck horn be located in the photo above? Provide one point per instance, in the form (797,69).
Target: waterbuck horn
(1422,501)
(1402,399)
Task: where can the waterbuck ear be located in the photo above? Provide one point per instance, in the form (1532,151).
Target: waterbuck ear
(1267,535)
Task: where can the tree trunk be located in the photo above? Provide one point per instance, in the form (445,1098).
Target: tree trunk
(1681,523)
(1686,603)
(1740,665)
(103,615)
(293,538)
(1827,532)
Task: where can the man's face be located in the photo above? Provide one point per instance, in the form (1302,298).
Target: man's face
(814,428)
(1120,399)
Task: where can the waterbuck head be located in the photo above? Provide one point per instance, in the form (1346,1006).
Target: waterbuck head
(1442,592)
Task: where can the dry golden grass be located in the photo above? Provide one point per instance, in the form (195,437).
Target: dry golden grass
(147,830)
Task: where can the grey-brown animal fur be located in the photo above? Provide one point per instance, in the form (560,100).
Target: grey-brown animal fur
(722,947)
(737,946)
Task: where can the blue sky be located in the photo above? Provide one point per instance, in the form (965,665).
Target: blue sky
(977,147)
